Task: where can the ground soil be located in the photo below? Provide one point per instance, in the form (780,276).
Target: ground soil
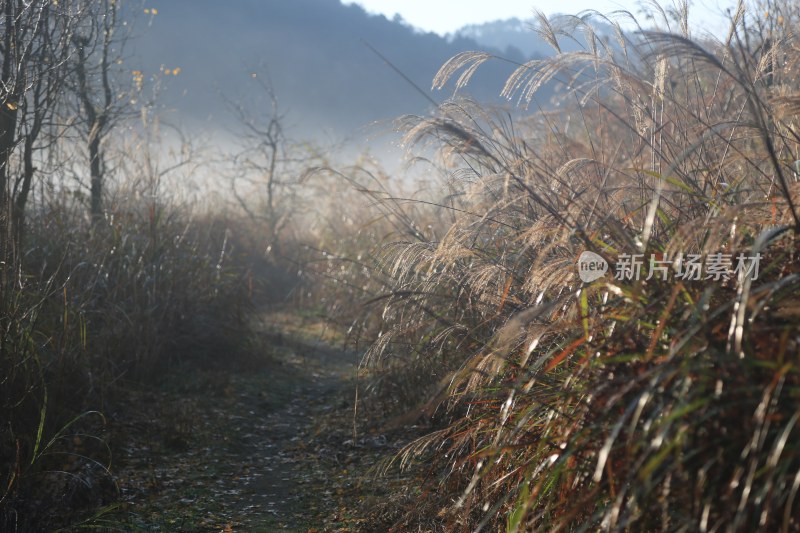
(269,447)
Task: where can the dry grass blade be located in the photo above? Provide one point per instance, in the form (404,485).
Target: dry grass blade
(469,61)
(622,394)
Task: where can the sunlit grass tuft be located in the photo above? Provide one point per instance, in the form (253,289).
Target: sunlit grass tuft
(644,404)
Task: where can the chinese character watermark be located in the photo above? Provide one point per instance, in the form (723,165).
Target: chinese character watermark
(686,267)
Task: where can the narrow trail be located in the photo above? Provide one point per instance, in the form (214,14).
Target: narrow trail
(261,450)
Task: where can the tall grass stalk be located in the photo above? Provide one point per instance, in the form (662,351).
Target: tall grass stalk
(649,403)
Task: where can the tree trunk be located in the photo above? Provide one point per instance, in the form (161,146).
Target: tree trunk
(96,174)
(21,200)
(8,126)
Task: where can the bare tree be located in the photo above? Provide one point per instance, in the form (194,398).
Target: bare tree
(98,50)
(265,163)
(33,69)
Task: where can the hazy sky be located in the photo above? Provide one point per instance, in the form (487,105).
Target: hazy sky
(443,16)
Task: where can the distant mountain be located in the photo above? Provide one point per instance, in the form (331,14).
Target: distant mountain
(507,35)
(516,36)
(315,52)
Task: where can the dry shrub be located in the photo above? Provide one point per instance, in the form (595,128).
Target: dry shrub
(644,404)
(90,308)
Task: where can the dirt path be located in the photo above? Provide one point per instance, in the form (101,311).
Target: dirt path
(265,450)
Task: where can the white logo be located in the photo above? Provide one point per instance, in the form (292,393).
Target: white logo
(591,267)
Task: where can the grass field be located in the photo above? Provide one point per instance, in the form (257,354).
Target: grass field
(584,317)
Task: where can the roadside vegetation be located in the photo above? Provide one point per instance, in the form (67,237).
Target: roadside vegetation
(106,279)
(498,390)
(651,400)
